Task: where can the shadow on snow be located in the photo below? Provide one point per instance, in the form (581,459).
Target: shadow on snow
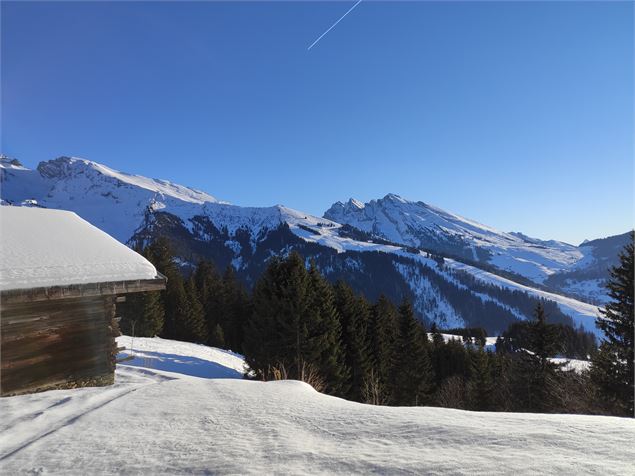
(180,364)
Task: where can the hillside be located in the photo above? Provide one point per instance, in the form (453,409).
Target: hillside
(232,426)
(444,286)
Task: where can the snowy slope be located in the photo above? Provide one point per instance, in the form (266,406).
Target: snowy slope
(422,225)
(114,201)
(582,313)
(157,422)
(181,357)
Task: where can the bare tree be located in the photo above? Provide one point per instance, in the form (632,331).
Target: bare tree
(373,391)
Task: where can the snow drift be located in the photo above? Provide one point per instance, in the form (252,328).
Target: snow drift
(154,421)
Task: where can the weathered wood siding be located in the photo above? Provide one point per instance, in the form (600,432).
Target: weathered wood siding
(82,290)
(60,343)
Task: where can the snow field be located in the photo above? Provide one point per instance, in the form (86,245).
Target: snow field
(154,421)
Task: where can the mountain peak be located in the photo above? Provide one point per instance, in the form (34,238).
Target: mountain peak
(355,203)
(7,162)
(393,197)
(62,166)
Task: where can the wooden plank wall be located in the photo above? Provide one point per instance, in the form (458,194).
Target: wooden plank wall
(62,343)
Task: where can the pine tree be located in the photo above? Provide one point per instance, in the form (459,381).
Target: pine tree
(192,326)
(437,338)
(383,338)
(544,338)
(206,279)
(354,315)
(325,334)
(217,337)
(236,309)
(211,296)
(262,346)
(482,384)
(537,375)
(612,368)
(276,330)
(159,253)
(142,314)
(412,370)
(294,325)
(502,370)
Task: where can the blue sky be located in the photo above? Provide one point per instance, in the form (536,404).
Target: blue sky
(516,114)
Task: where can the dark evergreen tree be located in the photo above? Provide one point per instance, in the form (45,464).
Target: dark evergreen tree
(383,332)
(326,337)
(275,333)
(412,372)
(294,325)
(450,359)
(354,316)
(612,369)
(437,338)
(217,337)
(544,339)
(190,324)
(142,314)
(205,278)
(159,253)
(503,398)
(225,305)
(482,387)
(536,375)
(211,296)
(236,308)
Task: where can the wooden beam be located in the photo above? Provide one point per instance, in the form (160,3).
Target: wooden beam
(15,296)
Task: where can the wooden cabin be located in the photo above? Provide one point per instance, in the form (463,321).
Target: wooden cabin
(60,280)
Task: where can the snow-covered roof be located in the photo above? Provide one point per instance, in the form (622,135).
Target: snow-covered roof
(43,247)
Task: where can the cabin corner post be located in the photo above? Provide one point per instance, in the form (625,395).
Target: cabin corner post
(113,332)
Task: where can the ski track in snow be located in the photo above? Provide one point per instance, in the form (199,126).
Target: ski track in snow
(157,422)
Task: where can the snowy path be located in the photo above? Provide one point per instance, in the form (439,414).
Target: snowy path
(30,418)
(156,422)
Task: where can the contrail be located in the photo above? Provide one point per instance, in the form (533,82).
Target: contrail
(333,25)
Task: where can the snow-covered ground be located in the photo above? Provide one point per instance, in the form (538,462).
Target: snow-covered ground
(573,364)
(160,419)
(182,357)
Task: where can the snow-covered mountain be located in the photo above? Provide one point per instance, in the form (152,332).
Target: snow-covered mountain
(424,226)
(112,200)
(379,252)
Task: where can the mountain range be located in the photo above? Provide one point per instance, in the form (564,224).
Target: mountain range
(457,272)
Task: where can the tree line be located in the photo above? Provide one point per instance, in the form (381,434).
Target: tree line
(295,324)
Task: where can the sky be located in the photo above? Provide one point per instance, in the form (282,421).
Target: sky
(516,114)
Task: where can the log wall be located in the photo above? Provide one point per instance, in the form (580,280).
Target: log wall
(61,343)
